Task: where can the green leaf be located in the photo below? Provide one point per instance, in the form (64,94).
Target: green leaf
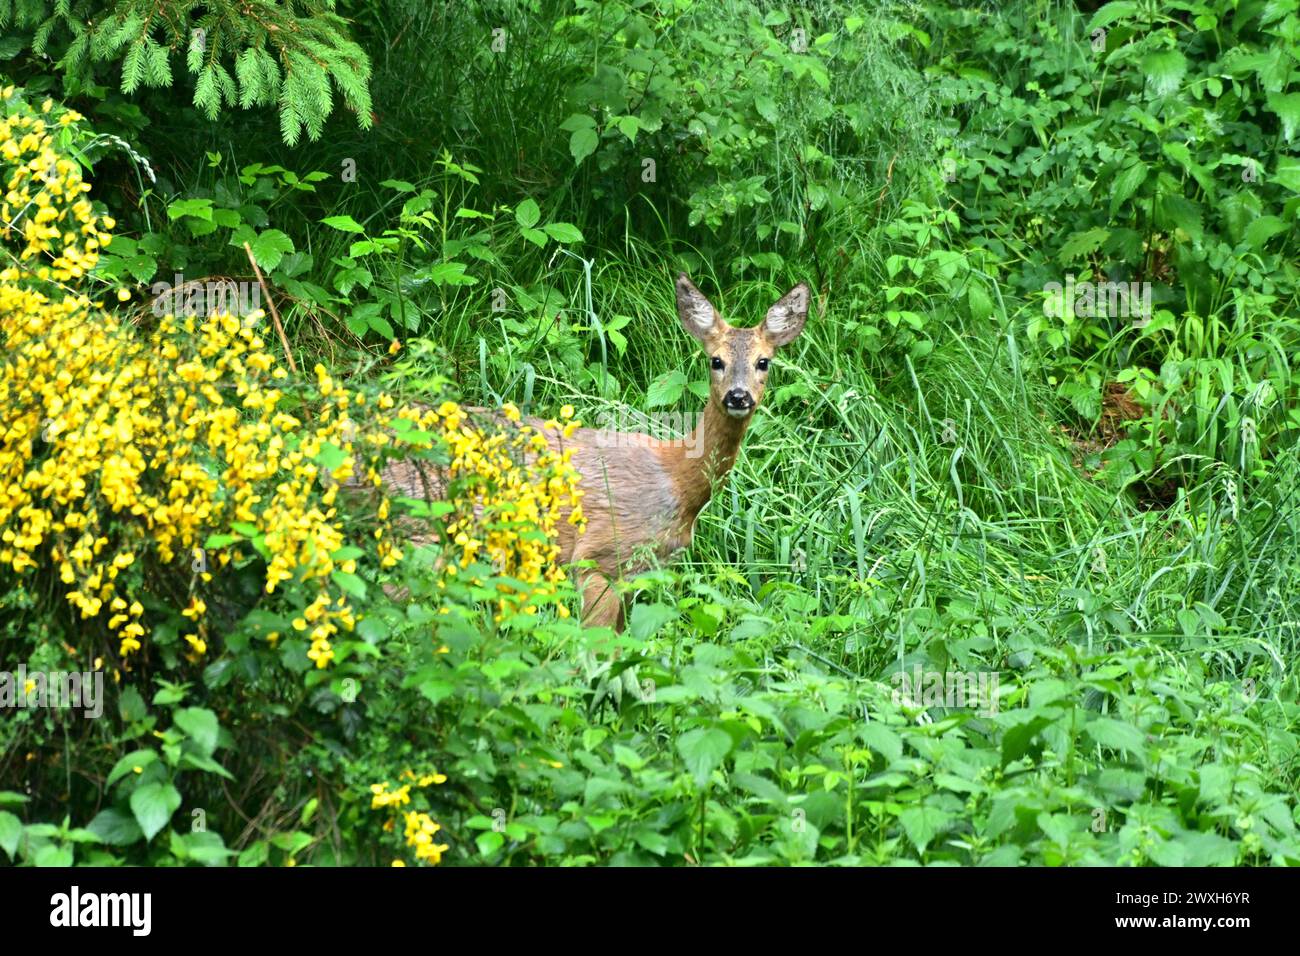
(11,830)
(703,750)
(666,389)
(562,232)
(489,842)
(1165,69)
(193,761)
(527,213)
(449,273)
(1261,230)
(1287,108)
(628,126)
(195,208)
(1179,212)
(200,725)
(344,224)
(582,143)
(1116,734)
(921,824)
(269,248)
(116,828)
(647,619)
(350,583)
(1019,737)
(153,805)
(52,854)
(131,763)
(1083,244)
(1287,176)
(1127,183)
(1110,13)
(977,298)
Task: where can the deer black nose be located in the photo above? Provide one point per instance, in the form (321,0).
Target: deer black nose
(738,399)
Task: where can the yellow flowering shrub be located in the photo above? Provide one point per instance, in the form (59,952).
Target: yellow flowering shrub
(508,491)
(419,829)
(130,457)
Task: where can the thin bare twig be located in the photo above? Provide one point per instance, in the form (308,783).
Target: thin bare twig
(275,316)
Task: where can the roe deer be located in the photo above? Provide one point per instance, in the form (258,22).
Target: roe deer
(642,495)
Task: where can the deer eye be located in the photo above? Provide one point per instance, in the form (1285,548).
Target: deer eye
(762,364)
(716,364)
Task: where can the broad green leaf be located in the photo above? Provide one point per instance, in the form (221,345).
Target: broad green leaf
(1126,184)
(562,232)
(703,750)
(666,389)
(527,213)
(647,619)
(200,725)
(1287,108)
(582,143)
(270,247)
(116,828)
(344,224)
(1164,70)
(131,763)
(1083,244)
(11,830)
(153,805)
(1116,734)
(921,824)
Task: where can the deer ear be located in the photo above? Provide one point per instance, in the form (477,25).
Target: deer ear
(785,320)
(697,313)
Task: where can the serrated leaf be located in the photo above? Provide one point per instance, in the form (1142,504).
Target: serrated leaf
(1126,184)
(11,831)
(1287,108)
(1261,230)
(270,247)
(344,224)
(921,824)
(647,619)
(130,763)
(582,143)
(153,805)
(200,725)
(1116,734)
(1083,244)
(1164,70)
(562,232)
(1108,14)
(115,827)
(666,389)
(703,750)
(527,213)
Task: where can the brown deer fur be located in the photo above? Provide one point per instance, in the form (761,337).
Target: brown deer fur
(643,495)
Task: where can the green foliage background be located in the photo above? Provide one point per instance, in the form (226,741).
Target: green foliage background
(943,475)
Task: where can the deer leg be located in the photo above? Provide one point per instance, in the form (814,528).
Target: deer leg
(602,606)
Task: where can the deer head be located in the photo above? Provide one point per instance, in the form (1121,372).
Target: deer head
(739,358)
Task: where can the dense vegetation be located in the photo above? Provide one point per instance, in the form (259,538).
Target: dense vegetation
(959,468)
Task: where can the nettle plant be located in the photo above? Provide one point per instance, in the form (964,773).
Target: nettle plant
(440,247)
(209,228)
(709,106)
(1183,180)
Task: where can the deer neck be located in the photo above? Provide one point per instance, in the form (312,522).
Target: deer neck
(701,464)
